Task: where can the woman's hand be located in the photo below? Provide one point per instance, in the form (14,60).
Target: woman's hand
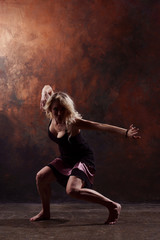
(132,132)
(47,91)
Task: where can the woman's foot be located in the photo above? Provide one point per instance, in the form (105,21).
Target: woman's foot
(40,216)
(114,212)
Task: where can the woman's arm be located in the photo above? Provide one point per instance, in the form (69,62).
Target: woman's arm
(47,91)
(86,124)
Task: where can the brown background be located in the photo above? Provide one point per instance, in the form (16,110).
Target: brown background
(105,54)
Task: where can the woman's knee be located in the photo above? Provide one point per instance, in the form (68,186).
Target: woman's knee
(39,177)
(74,186)
(72,191)
(44,176)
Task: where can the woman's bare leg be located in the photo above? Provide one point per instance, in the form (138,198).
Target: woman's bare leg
(43,180)
(76,190)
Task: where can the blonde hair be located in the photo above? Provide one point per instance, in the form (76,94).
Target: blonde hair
(65,100)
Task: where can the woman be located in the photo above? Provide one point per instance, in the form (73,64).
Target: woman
(75,168)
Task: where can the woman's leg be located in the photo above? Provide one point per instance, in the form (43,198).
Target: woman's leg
(43,180)
(75,189)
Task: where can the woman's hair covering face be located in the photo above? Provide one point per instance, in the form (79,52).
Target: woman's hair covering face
(65,100)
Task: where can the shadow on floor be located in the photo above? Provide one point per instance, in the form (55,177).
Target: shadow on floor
(72,221)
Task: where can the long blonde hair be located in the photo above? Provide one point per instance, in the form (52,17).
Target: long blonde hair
(65,100)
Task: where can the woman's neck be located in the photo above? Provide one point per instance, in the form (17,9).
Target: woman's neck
(58,126)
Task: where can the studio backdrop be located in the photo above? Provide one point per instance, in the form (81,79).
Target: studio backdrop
(104,54)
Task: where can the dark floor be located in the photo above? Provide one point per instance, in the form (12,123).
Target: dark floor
(79,221)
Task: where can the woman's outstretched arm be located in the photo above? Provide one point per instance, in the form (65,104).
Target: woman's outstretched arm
(131,132)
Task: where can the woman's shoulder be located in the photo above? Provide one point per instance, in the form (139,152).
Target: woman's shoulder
(82,123)
(73,129)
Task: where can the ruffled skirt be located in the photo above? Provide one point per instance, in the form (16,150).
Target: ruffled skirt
(63,171)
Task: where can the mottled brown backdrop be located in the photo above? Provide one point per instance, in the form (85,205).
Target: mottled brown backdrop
(106,55)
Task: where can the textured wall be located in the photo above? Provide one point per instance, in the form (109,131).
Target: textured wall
(105,55)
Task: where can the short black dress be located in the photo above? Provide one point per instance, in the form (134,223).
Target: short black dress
(76,159)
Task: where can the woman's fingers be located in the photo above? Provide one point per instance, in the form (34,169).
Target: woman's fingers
(131,126)
(133,131)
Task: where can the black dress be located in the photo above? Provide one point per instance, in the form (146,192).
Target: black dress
(76,159)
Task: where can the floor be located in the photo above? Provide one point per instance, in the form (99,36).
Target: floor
(73,221)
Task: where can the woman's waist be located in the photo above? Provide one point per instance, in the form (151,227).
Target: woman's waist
(77,155)
(72,160)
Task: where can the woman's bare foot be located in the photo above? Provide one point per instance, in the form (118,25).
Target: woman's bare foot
(40,216)
(114,213)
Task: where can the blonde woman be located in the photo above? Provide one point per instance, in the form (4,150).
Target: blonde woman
(75,168)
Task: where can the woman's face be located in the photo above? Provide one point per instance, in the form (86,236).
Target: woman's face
(58,112)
